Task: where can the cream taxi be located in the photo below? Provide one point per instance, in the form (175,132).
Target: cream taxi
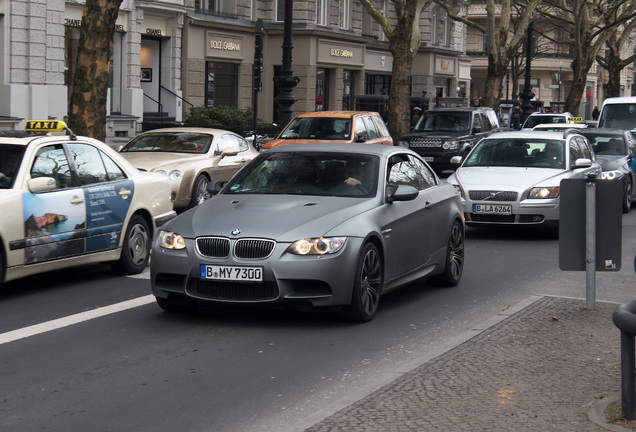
(68,200)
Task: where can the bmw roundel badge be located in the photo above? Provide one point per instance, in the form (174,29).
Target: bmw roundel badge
(236,232)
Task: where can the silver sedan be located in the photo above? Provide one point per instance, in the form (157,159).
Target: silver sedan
(513,178)
(318,225)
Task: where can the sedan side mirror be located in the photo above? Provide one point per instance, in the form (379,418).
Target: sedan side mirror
(582,163)
(456,160)
(361,137)
(401,193)
(41,184)
(227,151)
(215,186)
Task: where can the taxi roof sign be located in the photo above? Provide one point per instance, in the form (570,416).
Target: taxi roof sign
(45,126)
(575,119)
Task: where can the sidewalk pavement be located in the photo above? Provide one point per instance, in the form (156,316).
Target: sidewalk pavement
(547,364)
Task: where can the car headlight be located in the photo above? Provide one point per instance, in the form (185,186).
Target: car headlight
(317,246)
(544,192)
(612,175)
(450,145)
(161,171)
(174,175)
(171,240)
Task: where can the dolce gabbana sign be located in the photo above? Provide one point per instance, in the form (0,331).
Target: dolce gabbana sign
(220,45)
(340,53)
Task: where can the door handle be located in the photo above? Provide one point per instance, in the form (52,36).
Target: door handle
(429,205)
(77,200)
(124,193)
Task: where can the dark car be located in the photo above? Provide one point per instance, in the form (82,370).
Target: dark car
(615,149)
(446,132)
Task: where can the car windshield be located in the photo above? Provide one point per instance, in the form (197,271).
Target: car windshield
(518,152)
(333,128)
(180,142)
(315,173)
(532,121)
(607,145)
(443,121)
(618,116)
(10,159)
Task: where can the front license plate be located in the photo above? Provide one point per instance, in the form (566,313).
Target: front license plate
(232,273)
(429,158)
(492,209)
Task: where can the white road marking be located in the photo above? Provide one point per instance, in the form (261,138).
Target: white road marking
(73,319)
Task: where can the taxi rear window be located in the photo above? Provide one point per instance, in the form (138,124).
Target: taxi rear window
(10,160)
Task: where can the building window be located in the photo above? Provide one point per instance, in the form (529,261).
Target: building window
(321,12)
(221,84)
(343,17)
(217,7)
(280,10)
(377,84)
(440,27)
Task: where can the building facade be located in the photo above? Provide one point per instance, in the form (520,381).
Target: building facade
(170,56)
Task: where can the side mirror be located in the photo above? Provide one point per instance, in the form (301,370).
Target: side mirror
(227,151)
(401,193)
(41,184)
(582,163)
(456,160)
(215,186)
(361,137)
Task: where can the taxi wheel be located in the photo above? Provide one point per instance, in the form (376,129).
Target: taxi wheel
(136,248)
(367,286)
(199,191)
(454,266)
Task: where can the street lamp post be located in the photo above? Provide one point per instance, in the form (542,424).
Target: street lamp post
(527,95)
(285,80)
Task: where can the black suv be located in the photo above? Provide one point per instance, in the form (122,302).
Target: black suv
(446,132)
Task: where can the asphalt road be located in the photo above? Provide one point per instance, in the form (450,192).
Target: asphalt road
(87,350)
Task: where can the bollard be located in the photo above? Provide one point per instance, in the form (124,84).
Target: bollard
(624,318)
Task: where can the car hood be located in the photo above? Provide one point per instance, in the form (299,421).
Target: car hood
(150,161)
(609,163)
(506,178)
(281,217)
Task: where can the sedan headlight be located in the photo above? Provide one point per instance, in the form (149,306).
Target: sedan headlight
(174,174)
(317,246)
(171,240)
(544,192)
(612,175)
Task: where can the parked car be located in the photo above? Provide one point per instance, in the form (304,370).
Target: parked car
(294,227)
(615,149)
(337,126)
(70,200)
(513,178)
(536,119)
(446,132)
(191,157)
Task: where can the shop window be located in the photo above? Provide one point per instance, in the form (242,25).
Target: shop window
(221,84)
(377,84)
(322,86)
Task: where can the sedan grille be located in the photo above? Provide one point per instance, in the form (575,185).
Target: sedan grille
(489,195)
(425,142)
(214,247)
(253,248)
(235,291)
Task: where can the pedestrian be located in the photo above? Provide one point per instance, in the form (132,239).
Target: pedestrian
(515,121)
(595,113)
(417,113)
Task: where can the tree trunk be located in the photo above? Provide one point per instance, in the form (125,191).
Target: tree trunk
(399,96)
(614,67)
(579,85)
(90,84)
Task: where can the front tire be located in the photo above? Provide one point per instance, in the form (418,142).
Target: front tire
(367,285)
(135,251)
(199,191)
(454,265)
(627,199)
